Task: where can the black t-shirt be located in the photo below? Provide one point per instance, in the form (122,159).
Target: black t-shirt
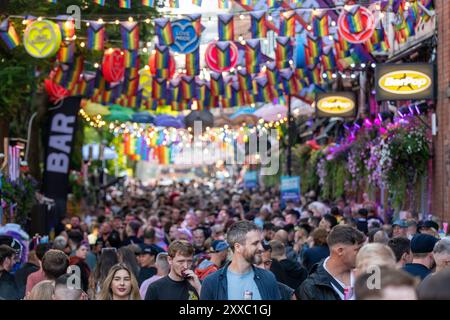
(168,289)
(146,273)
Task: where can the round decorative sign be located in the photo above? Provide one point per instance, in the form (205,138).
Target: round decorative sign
(405,82)
(336,104)
(113,66)
(42,39)
(356,25)
(55,91)
(212,60)
(152,65)
(186,39)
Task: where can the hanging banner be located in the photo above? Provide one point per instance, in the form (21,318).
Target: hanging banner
(59,134)
(406,81)
(42,39)
(185,36)
(251,179)
(356,24)
(290,189)
(335,104)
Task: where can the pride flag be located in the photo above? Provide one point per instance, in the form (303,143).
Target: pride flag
(253,55)
(216,83)
(148,3)
(66,52)
(187,87)
(283,52)
(130,35)
(163,29)
(223,54)
(287,23)
(258,24)
(223,4)
(226,27)
(96,36)
(100,2)
(125,4)
(8,34)
(320,25)
(197,2)
(193,63)
(354,19)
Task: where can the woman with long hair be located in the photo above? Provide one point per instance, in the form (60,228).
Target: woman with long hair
(107,260)
(120,284)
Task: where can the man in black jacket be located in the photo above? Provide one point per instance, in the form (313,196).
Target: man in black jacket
(8,287)
(331,278)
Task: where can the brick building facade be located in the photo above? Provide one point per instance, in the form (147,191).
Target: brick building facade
(441,161)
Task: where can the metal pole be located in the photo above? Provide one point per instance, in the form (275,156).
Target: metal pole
(289,144)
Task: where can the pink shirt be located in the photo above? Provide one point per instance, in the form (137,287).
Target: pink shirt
(33,279)
(146,284)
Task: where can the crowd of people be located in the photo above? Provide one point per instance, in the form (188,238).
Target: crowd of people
(217,241)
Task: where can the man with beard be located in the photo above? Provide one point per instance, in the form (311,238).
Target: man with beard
(240,279)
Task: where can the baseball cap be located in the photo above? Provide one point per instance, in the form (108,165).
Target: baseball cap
(428,224)
(401,223)
(219,246)
(423,243)
(148,249)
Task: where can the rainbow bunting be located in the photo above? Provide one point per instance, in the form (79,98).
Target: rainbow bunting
(52,1)
(223,4)
(272,74)
(288,81)
(67,26)
(265,92)
(226,27)
(193,63)
(163,29)
(197,2)
(130,86)
(159,88)
(217,84)
(162,58)
(258,25)
(174,3)
(59,74)
(131,58)
(314,45)
(223,54)
(249,97)
(354,19)
(320,25)
(287,23)
(245,80)
(197,23)
(130,35)
(328,60)
(100,2)
(96,36)
(300,75)
(187,87)
(125,4)
(8,34)
(283,52)
(148,3)
(74,72)
(228,89)
(86,84)
(314,75)
(271,3)
(252,55)
(66,52)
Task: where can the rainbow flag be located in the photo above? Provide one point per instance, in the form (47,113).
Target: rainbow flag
(125,4)
(163,29)
(288,81)
(74,72)
(314,75)
(159,88)
(287,23)
(320,25)
(193,63)
(66,52)
(428,4)
(8,34)
(258,26)
(223,4)
(96,36)
(197,2)
(354,19)
(130,35)
(130,86)
(252,55)
(271,3)
(162,58)
(217,84)
(244,80)
(249,97)
(272,74)
(223,54)
(226,27)
(174,91)
(283,52)
(174,3)
(196,22)
(100,2)
(52,1)
(315,46)
(328,60)
(228,89)
(67,27)
(86,84)
(265,93)
(148,3)
(60,74)
(131,58)
(187,87)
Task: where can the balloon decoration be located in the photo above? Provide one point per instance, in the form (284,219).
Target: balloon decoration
(42,39)
(224,60)
(357,24)
(113,66)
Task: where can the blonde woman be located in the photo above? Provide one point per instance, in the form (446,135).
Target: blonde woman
(120,284)
(44,290)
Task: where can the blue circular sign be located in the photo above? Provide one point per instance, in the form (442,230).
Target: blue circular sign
(186,39)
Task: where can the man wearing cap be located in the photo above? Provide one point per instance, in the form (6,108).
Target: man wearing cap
(428,227)
(146,260)
(399,228)
(422,246)
(218,255)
